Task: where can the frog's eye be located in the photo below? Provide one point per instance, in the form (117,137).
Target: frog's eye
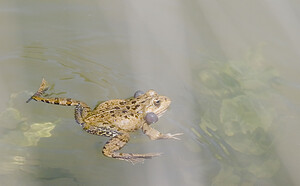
(157,102)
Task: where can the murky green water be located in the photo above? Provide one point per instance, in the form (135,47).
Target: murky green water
(231,69)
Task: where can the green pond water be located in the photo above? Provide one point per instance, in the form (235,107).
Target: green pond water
(231,69)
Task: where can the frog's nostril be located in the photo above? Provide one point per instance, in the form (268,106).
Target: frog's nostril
(167,99)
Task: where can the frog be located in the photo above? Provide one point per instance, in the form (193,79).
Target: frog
(117,119)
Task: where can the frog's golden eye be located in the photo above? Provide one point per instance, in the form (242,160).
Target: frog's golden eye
(157,102)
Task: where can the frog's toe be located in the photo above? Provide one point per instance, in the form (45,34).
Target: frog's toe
(173,136)
(142,159)
(136,160)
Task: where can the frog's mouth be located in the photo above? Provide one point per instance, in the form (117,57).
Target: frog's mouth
(164,107)
(161,112)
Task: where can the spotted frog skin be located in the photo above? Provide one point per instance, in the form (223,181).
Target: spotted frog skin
(116,119)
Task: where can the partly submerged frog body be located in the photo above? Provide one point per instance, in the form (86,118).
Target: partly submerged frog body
(116,119)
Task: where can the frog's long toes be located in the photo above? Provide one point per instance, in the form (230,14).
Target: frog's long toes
(154,155)
(136,160)
(173,136)
(141,159)
(146,156)
(177,134)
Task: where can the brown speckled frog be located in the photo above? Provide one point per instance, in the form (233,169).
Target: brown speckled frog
(116,119)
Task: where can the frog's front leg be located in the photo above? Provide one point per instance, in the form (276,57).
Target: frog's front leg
(155,134)
(119,141)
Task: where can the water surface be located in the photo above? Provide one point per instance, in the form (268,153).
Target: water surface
(230,68)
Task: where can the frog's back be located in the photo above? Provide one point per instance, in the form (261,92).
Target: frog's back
(109,105)
(116,114)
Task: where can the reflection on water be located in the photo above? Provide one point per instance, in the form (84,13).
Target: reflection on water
(239,112)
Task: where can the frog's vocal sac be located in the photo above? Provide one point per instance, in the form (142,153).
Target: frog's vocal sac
(116,119)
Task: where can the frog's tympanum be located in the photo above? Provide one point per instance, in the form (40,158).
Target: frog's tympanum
(116,119)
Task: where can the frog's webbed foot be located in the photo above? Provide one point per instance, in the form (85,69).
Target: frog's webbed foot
(57,101)
(155,134)
(119,141)
(81,110)
(42,89)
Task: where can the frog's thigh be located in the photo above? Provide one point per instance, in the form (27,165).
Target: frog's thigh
(115,143)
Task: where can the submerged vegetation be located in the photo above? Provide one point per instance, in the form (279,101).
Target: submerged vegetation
(236,118)
(20,130)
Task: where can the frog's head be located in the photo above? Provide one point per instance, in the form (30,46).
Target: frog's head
(155,103)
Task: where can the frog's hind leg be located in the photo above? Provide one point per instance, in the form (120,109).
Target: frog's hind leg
(119,141)
(81,109)
(58,101)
